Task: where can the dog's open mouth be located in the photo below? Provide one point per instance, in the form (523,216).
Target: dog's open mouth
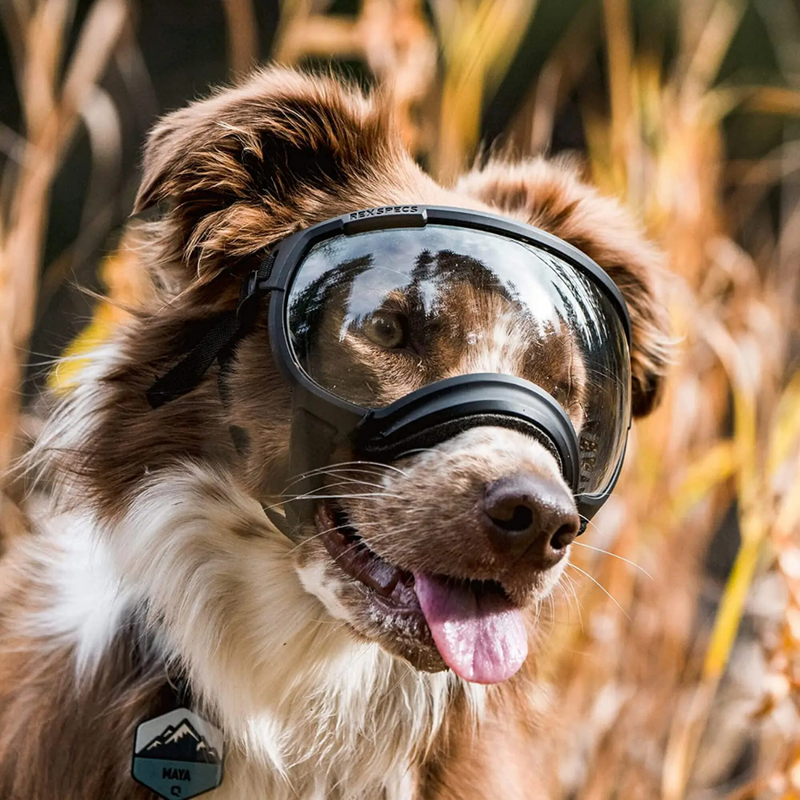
(472,626)
(352,555)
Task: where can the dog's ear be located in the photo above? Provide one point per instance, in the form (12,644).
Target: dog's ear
(254,163)
(551,196)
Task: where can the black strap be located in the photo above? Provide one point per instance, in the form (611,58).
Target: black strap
(218,342)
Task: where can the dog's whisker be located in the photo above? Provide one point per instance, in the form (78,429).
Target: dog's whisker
(329,486)
(569,584)
(319,534)
(563,593)
(560,591)
(362,541)
(602,588)
(347,475)
(552,614)
(348,465)
(614,555)
(338,473)
(310,496)
(357,496)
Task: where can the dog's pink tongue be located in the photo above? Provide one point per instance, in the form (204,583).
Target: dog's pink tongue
(481,636)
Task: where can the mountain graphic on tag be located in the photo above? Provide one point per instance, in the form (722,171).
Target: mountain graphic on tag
(178,754)
(181,743)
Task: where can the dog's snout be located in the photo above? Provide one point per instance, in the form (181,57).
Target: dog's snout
(531,516)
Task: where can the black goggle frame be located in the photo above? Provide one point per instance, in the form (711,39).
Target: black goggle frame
(427,416)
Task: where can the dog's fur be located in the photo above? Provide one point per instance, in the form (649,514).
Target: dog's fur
(152,557)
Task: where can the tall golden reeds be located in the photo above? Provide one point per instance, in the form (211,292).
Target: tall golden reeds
(55,93)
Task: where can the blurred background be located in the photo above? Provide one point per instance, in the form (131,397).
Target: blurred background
(673,655)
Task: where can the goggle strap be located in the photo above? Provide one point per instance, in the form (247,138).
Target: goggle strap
(218,343)
(187,374)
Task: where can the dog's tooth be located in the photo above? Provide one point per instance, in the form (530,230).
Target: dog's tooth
(384,576)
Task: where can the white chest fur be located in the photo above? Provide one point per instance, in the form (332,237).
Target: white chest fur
(307,710)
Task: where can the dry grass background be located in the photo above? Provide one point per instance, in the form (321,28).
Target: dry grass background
(670,684)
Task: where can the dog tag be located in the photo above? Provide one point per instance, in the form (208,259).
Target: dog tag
(178,755)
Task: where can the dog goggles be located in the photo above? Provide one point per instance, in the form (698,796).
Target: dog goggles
(401,327)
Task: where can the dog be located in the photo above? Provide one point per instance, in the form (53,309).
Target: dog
(154,579)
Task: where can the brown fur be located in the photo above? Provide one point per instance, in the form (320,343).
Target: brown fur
(234,174)
(50,725)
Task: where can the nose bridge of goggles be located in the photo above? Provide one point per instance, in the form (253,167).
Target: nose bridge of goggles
(442,410)
(424,419)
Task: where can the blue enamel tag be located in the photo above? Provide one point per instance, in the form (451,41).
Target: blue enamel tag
(178,754)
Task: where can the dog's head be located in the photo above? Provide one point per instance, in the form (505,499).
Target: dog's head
(431,555)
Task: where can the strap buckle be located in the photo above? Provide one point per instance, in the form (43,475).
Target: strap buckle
(253,287)
(249,286)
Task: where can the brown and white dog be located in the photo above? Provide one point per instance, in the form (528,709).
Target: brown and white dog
(152,560)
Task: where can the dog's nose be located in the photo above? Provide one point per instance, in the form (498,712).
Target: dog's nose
(531,516)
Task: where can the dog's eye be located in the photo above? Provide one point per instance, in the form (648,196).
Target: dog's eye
(387,329)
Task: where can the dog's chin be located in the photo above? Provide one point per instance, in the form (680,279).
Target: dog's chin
(378,599)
